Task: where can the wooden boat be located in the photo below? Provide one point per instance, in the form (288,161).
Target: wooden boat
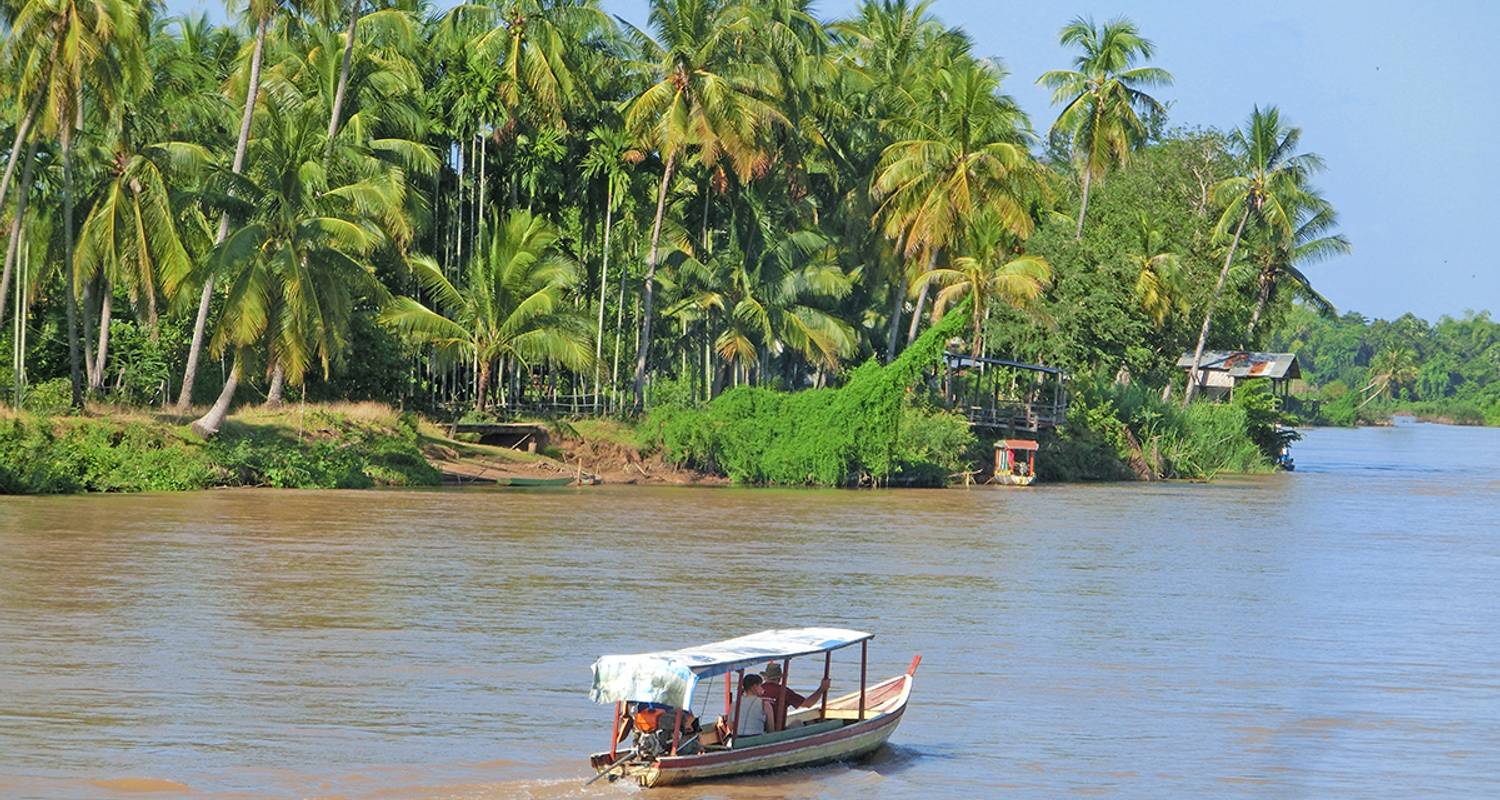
(518,480)
(1015,462)
(842,728)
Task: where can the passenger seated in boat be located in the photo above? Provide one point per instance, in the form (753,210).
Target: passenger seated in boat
(774,688)
(755,709)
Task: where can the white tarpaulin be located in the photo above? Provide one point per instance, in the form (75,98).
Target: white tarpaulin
(669,676)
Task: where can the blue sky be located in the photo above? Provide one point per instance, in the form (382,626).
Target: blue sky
(1398,99)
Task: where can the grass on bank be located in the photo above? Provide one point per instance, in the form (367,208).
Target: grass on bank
(877,432)
(112,449)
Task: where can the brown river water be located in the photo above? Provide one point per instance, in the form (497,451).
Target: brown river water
(1331,632)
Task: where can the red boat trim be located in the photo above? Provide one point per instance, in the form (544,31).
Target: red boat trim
(727,756)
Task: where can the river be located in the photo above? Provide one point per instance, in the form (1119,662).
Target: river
(1330,632)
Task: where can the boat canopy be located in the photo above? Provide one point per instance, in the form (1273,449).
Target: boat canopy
(669,676)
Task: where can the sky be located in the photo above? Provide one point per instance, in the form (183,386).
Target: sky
(1397,97)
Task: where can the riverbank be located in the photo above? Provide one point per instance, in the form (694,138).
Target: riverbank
(321,446)
(1114,436)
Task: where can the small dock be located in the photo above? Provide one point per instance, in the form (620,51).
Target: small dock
(528,436)
(998,395)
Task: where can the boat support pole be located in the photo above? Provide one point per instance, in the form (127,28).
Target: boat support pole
(786,686)
(739,699)
(676,729)
(827,666)
(864,651)
(614,732)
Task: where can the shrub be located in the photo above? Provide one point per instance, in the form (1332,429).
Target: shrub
(855,434)
(49,398)
(39,455)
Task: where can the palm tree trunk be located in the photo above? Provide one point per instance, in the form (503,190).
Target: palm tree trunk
(13,246)
(1208,313)
(208,424)
(18,340)
(22,132)
(278,386)
(200,323)
(916,313)
(343,85)
(481,396)
(974,311)
(152,321)
(609,208)
(893,330)
(106,309)
(1266,282)
(75,350)
(1083,207)
(614,378)
(648,289)
(87,312)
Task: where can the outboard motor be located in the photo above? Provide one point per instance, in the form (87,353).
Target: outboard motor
(655,744)
(653,731)
(652,737)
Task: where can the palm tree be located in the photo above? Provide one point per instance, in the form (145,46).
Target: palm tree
(1103,98)
(31,67)
(130,235)
(886,49)
(295,267)
(18,217)
(1271,178)
(966,155)
(394,25)
(1390,370)
(770,302)
(988,273)
(1280,259)
(610,155)
(23,135)
(87,45)
(512,309)
(1159,276)
(261,12)
(532,41)
(709,94)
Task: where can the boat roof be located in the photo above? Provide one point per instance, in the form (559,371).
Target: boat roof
(1245,364)
(668,676)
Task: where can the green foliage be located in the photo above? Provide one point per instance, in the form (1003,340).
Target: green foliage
(1263,418)
(1211,438)
(41,455)
(48,397)
(1118,432)
(1364,370)
(867,431)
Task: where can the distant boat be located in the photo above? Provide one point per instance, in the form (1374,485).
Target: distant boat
(516,480)
(1015,462)
(666,752)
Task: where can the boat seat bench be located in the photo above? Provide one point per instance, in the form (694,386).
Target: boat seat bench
(790,733)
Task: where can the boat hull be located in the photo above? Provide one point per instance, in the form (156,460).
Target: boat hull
(851,742)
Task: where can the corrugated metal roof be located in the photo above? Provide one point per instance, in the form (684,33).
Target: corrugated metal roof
(1245,364)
